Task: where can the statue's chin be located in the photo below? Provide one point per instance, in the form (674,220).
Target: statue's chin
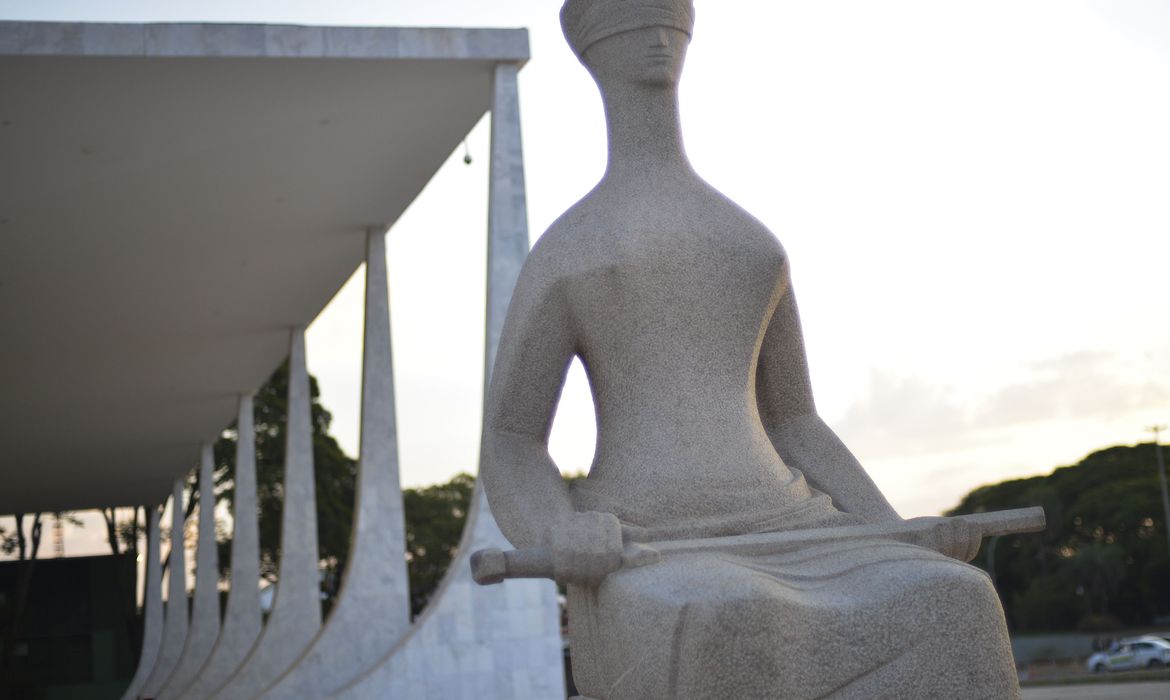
(658,79)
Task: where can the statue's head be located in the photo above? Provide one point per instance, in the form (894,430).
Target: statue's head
(640,41)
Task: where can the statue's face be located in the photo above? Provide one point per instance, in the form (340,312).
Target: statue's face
(651,56)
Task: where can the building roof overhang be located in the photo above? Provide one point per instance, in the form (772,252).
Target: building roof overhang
(173,199)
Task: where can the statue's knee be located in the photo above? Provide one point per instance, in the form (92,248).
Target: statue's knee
(973,585)
(967,593)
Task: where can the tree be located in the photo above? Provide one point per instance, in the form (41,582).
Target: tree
(27,550)
(18,542)
(335,475)
(122,536)
(1101,563)
(435,516)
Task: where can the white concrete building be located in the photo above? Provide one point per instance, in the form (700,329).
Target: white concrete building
(177,202)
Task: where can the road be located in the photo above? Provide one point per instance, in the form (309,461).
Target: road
(1157,690)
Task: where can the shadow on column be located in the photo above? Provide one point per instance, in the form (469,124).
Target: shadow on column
(204,627)
(175,626)
(296,611)
(242,619)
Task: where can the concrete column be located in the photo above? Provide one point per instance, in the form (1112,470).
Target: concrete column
(296,612)
(242,619)
(204,629)
(372,610)
(152,615)
(491,642)
(175,627)
(507,208)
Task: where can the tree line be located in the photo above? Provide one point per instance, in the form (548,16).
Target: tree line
(1102,564)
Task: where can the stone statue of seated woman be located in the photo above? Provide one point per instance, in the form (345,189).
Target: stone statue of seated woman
(680,306)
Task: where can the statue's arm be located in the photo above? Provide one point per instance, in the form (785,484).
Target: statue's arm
(526,491)
(800,436)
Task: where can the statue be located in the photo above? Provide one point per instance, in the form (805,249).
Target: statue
(680,306)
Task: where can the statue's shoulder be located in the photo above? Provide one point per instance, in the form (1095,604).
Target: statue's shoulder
(573,237)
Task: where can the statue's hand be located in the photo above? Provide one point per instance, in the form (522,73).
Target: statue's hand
(586,547)
(953,537)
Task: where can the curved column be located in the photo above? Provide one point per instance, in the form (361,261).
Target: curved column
(242,619)
(296,612)
(152,614)
(373,606)
(492,642)
(507,239)
(204,629)
(499,642)
(175,626)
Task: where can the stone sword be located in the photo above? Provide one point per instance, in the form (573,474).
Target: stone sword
(490,566)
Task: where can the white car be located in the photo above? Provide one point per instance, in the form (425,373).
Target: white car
(1142,652)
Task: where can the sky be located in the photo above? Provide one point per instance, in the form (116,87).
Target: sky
(973,196)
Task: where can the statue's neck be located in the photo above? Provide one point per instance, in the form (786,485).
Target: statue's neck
(645,134)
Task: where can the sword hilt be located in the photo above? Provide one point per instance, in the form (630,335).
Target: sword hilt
(490,566)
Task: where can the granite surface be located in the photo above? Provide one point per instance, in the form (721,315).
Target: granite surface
(681,308)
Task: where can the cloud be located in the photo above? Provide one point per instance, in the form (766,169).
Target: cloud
(904,416)
(1078,386)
